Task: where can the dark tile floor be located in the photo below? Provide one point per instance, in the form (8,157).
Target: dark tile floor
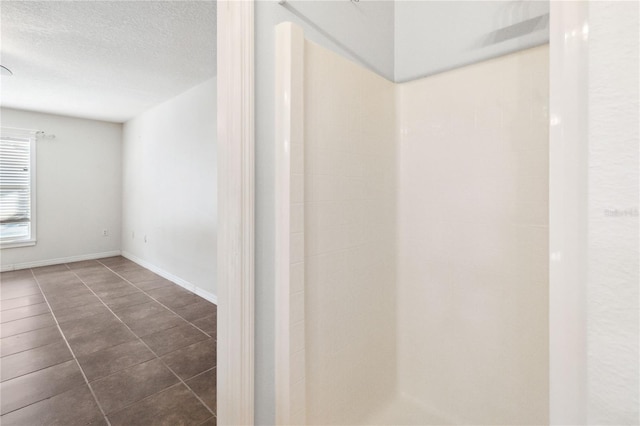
(104,342)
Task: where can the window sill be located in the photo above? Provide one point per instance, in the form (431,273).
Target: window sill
(16,244)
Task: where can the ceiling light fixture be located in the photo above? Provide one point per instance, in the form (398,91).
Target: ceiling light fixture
(5,71)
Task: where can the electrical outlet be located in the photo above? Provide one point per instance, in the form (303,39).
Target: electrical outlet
(105,232)
(133,235)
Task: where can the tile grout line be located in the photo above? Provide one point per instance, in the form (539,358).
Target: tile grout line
(131,331)
(39,369)
(35,329)
(102,377)
(175,313)
(69,347)
(200,424)
(20,307)
(25,350)
(145,344)
(19,297)
(108,375)
(157,301)
(139,338)
(202,372)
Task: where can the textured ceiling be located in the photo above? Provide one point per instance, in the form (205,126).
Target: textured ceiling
(105,60)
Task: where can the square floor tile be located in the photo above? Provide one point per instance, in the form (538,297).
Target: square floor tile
(192,359)
(18,284)
(154,284)
(126,267)
(44,270)
(57,278)
(174,406)
(80,312)
(117,292)
(72,282)
(174,338)
(137,312)
(115,284)
(100,277)
(20,274)
(16,277)
(155,323)
(120,302)
(175,301)
(118,263)
(25,362)
(19,291)
(23,312)
(194,311)
(21,301)
(139,275)
(204,385)
(208,324)
(120,389)
(84,264)
(110,336)
(107,361)
(73,407)
(39,385)
(29,340)
(67,292)
(60,303)
(169,291)
(114,260)
(26,324)
(88,325)
(93,275)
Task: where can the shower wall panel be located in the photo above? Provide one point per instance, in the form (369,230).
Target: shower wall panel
(412,241)
(473,241)
(349,215)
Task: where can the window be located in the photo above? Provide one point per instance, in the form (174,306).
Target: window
(17,187)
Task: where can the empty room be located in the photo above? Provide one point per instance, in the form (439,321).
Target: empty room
(108,186)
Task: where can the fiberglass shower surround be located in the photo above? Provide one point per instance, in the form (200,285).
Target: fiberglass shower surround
(412,241)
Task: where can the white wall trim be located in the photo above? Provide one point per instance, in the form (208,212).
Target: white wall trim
(568,179)
(289,127)
(174,278)
(236,134)
(59,260)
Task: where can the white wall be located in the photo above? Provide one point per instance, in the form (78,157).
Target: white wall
(436,36)
(473,241)
(358,37)
(78,185)
(169,189)
(349,238)
(614,191)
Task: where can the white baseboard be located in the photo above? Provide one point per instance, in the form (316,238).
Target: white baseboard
(164,274)
(207,295)
(48,262)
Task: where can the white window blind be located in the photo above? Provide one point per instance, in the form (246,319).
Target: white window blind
(17,162)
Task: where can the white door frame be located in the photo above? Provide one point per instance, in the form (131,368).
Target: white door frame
(235,57)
